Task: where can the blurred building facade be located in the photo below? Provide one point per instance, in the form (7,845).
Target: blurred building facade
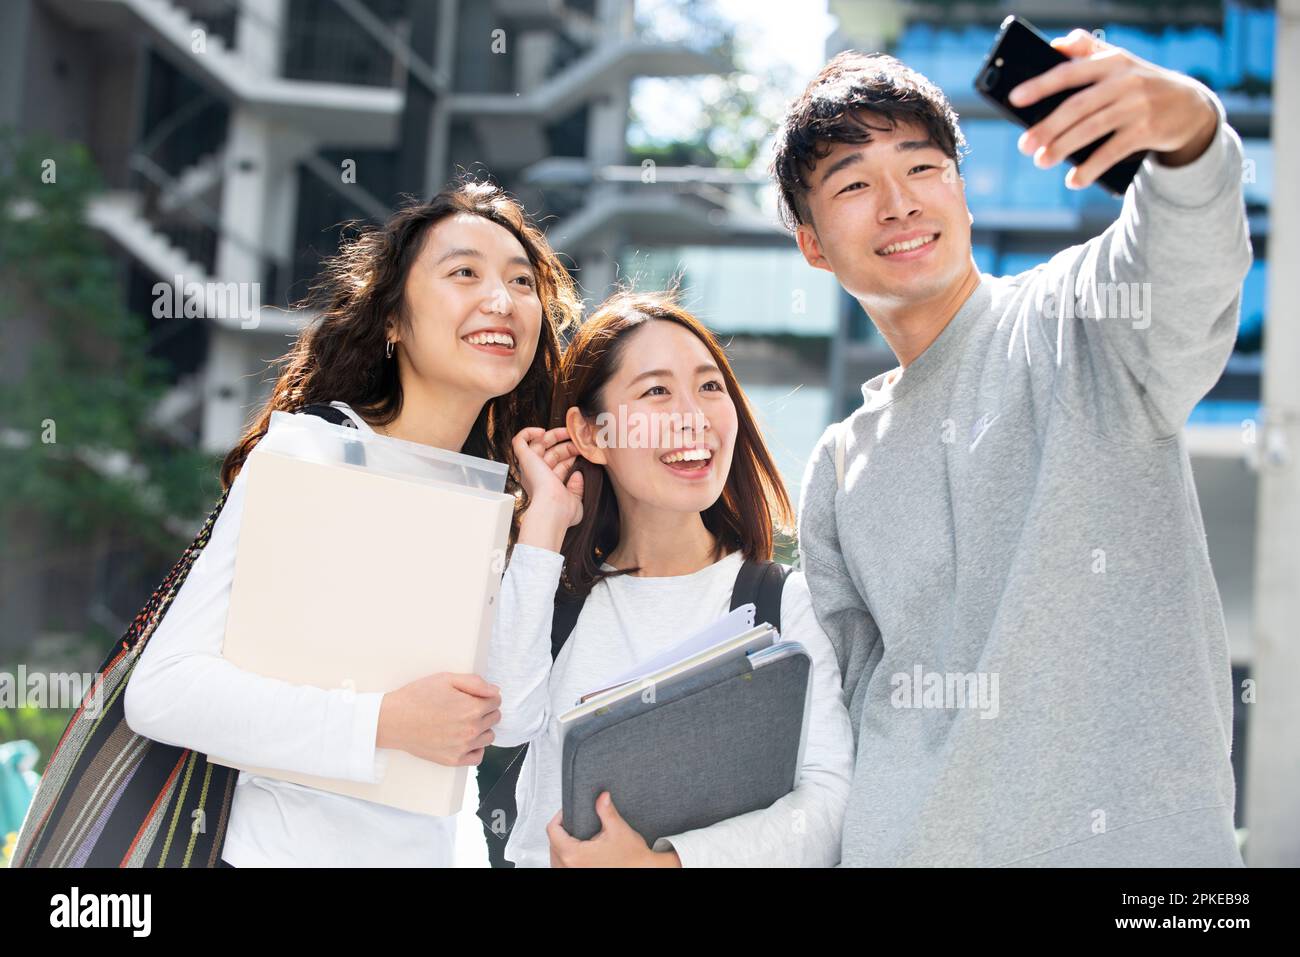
(235,136)
(224,130)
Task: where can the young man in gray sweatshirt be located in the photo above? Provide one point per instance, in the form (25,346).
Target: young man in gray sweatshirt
(1004,542)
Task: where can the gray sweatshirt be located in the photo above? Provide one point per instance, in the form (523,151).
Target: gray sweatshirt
(1013,571)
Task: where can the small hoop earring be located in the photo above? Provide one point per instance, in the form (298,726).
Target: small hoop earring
(388,350)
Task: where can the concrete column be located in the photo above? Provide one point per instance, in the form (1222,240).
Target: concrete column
(259,34)
(1273,751)
(245,220)
(244,194)
(597,268)
(445,58)
(606,146)
(616,19)
(225,387)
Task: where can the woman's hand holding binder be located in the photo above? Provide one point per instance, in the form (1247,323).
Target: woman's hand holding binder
(445,718)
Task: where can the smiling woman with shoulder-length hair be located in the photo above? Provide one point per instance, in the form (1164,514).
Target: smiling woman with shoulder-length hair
(650,536)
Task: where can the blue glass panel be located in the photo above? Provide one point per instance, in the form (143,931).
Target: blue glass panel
(1234,47)
(1136,41)
(1258,154)
(1253,302)
(1014,263)
(1197,52)
(1260,26)
(1223,412)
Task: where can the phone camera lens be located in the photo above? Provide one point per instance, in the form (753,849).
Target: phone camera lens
(989,78)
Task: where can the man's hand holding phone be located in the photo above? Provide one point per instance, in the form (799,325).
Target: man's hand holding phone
(1144,105)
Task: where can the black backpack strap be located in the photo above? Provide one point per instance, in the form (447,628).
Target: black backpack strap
(329,414)
(761,583)
(567,609)
(497,809)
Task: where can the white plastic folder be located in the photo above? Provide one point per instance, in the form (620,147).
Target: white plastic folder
(365,562)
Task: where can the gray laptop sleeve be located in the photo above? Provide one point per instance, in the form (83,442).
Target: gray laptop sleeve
(707,747)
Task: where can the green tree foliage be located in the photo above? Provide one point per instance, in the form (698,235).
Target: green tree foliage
(732,115)
(77,367)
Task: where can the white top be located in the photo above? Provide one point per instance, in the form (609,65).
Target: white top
(184,693)
(624,621)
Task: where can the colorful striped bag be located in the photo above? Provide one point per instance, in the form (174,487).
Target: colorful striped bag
(112,798)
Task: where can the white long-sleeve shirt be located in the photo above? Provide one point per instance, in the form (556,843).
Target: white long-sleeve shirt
(184,693)
(624,621)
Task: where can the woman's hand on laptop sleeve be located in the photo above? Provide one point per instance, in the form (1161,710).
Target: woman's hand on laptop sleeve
(617,845)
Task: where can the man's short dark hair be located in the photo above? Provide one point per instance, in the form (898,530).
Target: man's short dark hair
(831,111)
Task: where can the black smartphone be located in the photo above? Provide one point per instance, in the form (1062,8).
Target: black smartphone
(1020,53)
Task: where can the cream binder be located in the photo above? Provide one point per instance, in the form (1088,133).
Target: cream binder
(347,577)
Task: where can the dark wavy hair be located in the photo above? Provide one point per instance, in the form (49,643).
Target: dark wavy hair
(753,502)
(833,110)
(341,355)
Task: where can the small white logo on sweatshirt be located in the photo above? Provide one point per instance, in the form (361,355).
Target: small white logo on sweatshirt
(982,425)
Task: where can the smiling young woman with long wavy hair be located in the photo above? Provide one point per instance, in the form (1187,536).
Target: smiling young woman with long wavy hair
(443,328)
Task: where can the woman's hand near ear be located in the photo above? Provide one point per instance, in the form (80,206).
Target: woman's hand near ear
(554,486)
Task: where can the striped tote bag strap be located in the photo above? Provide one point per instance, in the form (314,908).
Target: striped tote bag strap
(112,798)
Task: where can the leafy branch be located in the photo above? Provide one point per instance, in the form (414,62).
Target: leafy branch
(77,384)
